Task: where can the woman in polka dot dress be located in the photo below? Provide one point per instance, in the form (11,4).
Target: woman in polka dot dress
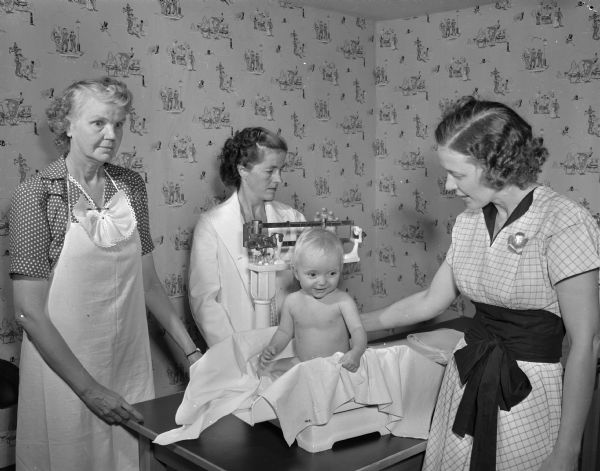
(83,274)
(528,258)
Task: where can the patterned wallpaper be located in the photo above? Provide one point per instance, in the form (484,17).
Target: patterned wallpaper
(541,57)
(357,102)
(199,70)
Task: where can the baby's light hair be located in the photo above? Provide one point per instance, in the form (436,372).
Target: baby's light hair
(319,240)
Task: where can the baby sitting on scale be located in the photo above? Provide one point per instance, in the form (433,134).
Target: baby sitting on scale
(320,318)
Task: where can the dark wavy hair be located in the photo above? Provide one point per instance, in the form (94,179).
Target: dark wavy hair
(244,149)
(65,107)
(495,137)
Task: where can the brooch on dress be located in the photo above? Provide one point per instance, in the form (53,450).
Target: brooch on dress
(516,242)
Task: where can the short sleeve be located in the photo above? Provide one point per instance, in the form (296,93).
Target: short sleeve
(456,235)
(140,208)
(450,254)
(574,249)
(29,231)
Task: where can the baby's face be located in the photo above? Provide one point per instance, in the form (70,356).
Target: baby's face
(318,273)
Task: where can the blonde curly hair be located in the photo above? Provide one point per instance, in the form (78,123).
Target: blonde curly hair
(64,108)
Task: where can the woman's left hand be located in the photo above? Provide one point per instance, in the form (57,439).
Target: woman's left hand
(194,357)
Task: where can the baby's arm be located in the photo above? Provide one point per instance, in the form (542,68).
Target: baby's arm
(358,336)
(281,337)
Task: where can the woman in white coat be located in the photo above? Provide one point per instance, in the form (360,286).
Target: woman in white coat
(219,286)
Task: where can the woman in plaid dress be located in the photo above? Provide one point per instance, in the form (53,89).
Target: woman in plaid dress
(528,259)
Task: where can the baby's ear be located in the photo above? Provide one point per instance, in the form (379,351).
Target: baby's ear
(294,272)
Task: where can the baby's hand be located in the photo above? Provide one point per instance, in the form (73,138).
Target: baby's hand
(351,361)
(266,356)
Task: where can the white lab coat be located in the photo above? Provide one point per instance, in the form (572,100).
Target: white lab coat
(219,284)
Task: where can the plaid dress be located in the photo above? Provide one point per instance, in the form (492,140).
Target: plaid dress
(553,239)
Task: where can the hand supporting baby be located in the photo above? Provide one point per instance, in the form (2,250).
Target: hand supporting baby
(266,356)
(351,360)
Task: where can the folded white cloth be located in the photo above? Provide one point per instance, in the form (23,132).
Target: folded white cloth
(402,383)
(220,382)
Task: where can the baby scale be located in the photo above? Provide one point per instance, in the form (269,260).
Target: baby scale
(265,243)
(351,419)
(417,392)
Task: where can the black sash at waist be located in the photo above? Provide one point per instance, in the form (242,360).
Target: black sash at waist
(488,366)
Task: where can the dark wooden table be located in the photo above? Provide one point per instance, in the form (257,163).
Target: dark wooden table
(233,445)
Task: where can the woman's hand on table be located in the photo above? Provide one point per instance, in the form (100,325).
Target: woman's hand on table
(109,406)
(194,357)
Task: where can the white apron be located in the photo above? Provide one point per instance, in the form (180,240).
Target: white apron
(96,301)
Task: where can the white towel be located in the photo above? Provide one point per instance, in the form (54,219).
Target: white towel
(401,382)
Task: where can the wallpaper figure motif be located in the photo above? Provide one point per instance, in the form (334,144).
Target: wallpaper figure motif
(381,78)
(214,27)
(222,52)
(501,84)
(182,238)
(411,160)
(173,193)
(137,123)
(225,81)
(413,85)
(293,163)
(132,161)
(353,49)
(24,67)
(449,28)
(171,99)
(584,70)
(359,165)
(388,38)
(182,54)
(422,51)
(13,111)
(135,25)
(322,188)
(120,64)
(490,36)
(262,22)
(379,149)
(214,117)
(534,59)
(549,13)
(545,103)
(182,147)
(299,128)
(254,62)
(171,9)
(352,270)
(11,6)
(579,163)
(298,46)
(329,73)
(378,288)
(322,33)
(593,122)
(351,198)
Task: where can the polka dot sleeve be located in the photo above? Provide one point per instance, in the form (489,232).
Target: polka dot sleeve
(139,202)
(29,231)
(140,207)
